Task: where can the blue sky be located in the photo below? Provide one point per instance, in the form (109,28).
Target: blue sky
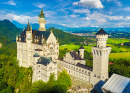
(71,13)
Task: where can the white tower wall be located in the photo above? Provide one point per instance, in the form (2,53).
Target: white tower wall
(41,22)
(101,40)
(81,53)
(101,57)
(29,50)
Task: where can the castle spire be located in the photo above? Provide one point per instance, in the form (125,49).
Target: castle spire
(41,15)
(28,26)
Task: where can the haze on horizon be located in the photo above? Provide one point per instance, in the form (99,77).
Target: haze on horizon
(71,13)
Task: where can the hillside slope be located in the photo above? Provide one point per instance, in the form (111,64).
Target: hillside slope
(66,38)
(9,30)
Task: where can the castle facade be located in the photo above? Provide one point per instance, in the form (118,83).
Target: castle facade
(33,45)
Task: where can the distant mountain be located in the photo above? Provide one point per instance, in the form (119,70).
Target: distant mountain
(36,26)
(9,30)
(74,29)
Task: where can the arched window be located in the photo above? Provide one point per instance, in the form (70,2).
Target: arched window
(100,53)
(94,51)
(97,52)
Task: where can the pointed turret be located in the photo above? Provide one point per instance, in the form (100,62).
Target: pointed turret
(28,27)
(41,15)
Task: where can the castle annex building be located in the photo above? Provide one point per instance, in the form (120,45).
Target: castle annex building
(38,49)
(75,65)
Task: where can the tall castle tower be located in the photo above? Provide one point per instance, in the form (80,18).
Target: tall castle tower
(29,41)
(101,55)
(42,21)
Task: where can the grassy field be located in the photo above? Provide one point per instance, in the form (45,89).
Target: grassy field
(125,55)
(117,41)
(72,47)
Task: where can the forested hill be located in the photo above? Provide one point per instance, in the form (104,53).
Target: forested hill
(9,30)
(66,38)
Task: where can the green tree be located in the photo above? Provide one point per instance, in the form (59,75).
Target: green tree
(64,79)
(52,80)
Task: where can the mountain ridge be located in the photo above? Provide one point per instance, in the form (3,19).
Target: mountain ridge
(72,29)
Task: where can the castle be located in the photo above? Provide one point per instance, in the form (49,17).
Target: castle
(41,46)
(40,50)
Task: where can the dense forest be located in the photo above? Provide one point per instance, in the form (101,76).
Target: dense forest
(66,38)
(9,30)
(127,44)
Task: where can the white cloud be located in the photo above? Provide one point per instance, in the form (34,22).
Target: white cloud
(101,18)
(97,17)
(126,9)
(74,16)
(40,5)
(94,26)
(2,11)
(81,11)
(75,3)
(89,3)
(122,24)
(11,2)
(119,3)
(116,17)
(50,13)
(127,18)
(19,18)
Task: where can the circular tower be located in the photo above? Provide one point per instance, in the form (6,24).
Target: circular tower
(81,52)
(101,55)
(101,38)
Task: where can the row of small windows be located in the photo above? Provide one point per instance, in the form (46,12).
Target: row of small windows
(99,52)
(75,68)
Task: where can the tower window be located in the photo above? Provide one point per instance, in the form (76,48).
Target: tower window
(97,52)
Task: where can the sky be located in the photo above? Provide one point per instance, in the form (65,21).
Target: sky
(71,13)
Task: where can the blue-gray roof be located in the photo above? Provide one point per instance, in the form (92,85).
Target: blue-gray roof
(44,60)
(35,33)
(36,55)
(81,47)
(100,32)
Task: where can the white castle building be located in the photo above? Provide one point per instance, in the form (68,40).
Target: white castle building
(40,50)
(34,47)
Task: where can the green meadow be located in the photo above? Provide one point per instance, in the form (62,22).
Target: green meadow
(117,41)
(73,47)
(120,51)
(125,55)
